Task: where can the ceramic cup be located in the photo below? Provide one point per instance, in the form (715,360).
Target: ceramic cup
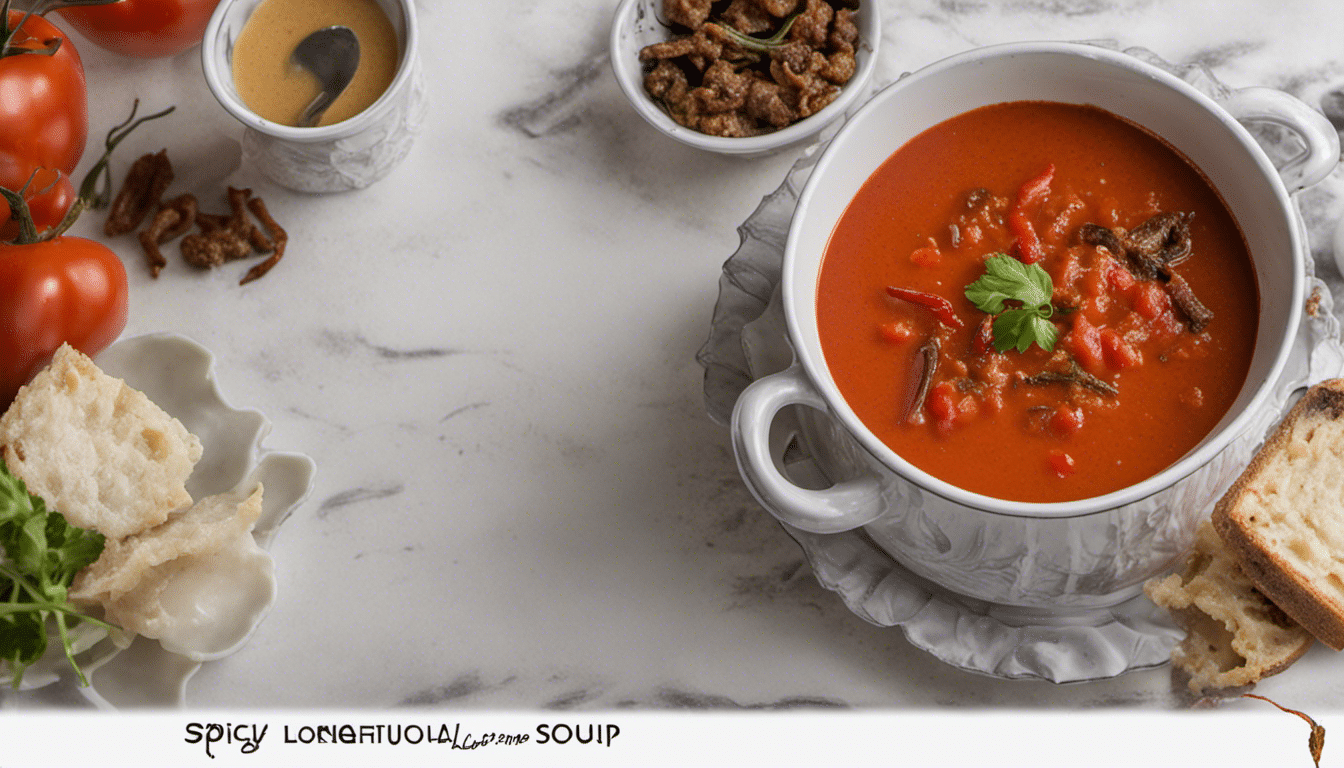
(351,154)
(1087,553)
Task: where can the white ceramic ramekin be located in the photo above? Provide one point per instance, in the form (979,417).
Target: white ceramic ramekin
(351,154)
(636,25)
(1092,552)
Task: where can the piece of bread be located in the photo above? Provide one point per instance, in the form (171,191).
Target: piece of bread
(206,527)
(98,451)
(1234,634)
(1283,519)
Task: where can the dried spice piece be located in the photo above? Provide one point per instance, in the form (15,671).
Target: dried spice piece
(209,222)
(145,183)
(225,238)
(185,206)
(206,251)
(278,237)
(1315,740)
(174,219)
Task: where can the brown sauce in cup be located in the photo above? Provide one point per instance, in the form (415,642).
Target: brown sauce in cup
(274,88)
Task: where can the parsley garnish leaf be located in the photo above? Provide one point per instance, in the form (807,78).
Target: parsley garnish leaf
(1019,328)
(42,553)
(1029,286)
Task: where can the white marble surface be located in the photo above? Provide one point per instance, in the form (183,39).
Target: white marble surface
(520,501)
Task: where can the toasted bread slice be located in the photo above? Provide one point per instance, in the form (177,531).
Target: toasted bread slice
(1234,634)
(204,528)
(1283,519)
(98,451)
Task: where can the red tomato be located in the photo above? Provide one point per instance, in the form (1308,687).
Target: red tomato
(49,195)
(145,29)
(44,121)
(67,289)
(44,113)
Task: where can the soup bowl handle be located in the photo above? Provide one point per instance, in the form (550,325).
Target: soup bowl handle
(842,507)
(1321,142)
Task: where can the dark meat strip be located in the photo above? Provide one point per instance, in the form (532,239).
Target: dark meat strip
(1197,315)
(1164,238)
(1138,263)
(1149,251)
(1075,375)
(928,357)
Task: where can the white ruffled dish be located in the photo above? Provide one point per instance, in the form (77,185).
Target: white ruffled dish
(748,341)
(178,375)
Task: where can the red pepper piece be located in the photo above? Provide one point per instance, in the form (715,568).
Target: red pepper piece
(942,405)
(1061,463)
(1029,197)
(1083,342)
(896,333)
(1118,353)
(983,342)
(940,307)
(1066,420)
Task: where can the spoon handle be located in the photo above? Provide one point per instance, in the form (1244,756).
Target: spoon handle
(313,112)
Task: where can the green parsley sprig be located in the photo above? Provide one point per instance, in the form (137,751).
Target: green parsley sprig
(1016,327)
(42,554)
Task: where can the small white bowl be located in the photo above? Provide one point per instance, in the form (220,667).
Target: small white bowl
(637,25)
(351,154)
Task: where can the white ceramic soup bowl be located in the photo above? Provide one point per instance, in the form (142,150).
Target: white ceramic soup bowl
(1082,554)
(351,154)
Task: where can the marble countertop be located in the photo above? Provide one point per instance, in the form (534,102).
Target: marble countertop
(490,355)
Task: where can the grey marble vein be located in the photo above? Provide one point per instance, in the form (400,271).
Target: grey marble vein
(357,496)
(558,110)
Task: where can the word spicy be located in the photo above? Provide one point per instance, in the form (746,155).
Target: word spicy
(248,736)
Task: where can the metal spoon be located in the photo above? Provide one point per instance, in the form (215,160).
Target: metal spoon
(332,55)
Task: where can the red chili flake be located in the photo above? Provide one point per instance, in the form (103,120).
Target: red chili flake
(1150,300)
(941,308)
(1083,342)
(942,404)
(983,341)
(1119,277)
(897,333)
(928,256)
(1061,463)
(1118,353)
(1029,196)
(1066,420)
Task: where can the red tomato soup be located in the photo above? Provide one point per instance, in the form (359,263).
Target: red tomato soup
(1038,302)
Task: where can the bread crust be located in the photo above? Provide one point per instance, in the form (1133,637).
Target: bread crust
(1283,583)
